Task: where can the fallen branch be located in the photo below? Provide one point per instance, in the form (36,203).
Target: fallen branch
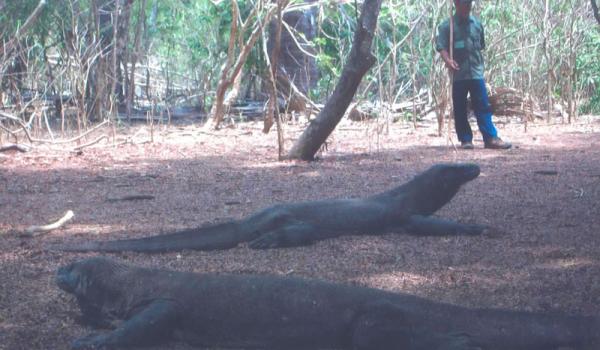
(14,147)
(18,121)
(33,231)
(32,140)
(93,142)
(74,138)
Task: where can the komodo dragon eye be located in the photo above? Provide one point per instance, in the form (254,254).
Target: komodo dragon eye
(67,279)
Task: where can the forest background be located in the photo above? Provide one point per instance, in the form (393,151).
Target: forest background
(83,62)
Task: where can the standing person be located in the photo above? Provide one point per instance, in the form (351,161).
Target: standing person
(467,75)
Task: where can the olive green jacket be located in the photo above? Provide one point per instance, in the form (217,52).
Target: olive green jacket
(469,41)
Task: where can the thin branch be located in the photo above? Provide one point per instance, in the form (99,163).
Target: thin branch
(31,139)
(18,121)
(229,74)
(291,31)
(399,44)
(93,142)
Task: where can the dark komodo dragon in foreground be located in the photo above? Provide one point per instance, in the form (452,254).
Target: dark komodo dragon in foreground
(245,311)
(406,208)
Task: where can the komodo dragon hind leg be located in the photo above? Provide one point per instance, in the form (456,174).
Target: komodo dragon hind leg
(291,234)
(430,226)
(386,326)
(152,325)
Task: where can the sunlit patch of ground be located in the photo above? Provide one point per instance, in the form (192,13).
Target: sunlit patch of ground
(541,253)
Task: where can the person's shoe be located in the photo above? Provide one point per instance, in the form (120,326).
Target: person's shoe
(497,143)
(467,145)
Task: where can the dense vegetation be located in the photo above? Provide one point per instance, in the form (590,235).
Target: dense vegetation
(544,49)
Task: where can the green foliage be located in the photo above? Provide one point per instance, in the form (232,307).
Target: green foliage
(333,43)
(588,68)
(189,39)
(15,13)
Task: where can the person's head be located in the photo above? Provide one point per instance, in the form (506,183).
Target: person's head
(463,7)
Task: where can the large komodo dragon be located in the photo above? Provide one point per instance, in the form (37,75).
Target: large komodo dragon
(406,208)
(251,311)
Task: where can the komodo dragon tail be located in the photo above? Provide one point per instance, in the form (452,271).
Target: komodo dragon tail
(213,237)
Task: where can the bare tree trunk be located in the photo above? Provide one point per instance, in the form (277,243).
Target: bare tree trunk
(231,71)
(547,54)
(595,9)
(413,74)
(149,28)
(114,63)
(275,55)
(451,73)
(272,109)
(218,109)
(438,85)
(359,62)
(297,71)
(99,84)
(121,75)
(571,65)
(134,57)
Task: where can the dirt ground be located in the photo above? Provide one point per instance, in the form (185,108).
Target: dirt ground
(544,253)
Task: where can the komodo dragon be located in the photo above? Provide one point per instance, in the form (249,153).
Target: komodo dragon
(251,311)
(406,208)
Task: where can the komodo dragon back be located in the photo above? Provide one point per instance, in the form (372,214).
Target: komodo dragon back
(272,312)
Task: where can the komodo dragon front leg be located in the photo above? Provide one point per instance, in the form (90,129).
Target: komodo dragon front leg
(153,325)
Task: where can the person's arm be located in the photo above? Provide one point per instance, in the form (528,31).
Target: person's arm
(450,63)
(442,45)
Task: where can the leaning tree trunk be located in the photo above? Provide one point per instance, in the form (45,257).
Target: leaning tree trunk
(359,62)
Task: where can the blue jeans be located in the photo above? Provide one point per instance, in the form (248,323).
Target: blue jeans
(481,107)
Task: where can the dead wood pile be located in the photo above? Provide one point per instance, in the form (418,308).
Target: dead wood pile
(504,101)
(511,102)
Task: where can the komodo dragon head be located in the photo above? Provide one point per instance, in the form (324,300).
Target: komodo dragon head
(436,186)
(97,286)
(77,278)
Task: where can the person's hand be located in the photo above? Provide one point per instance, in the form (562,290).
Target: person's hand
(452,65)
